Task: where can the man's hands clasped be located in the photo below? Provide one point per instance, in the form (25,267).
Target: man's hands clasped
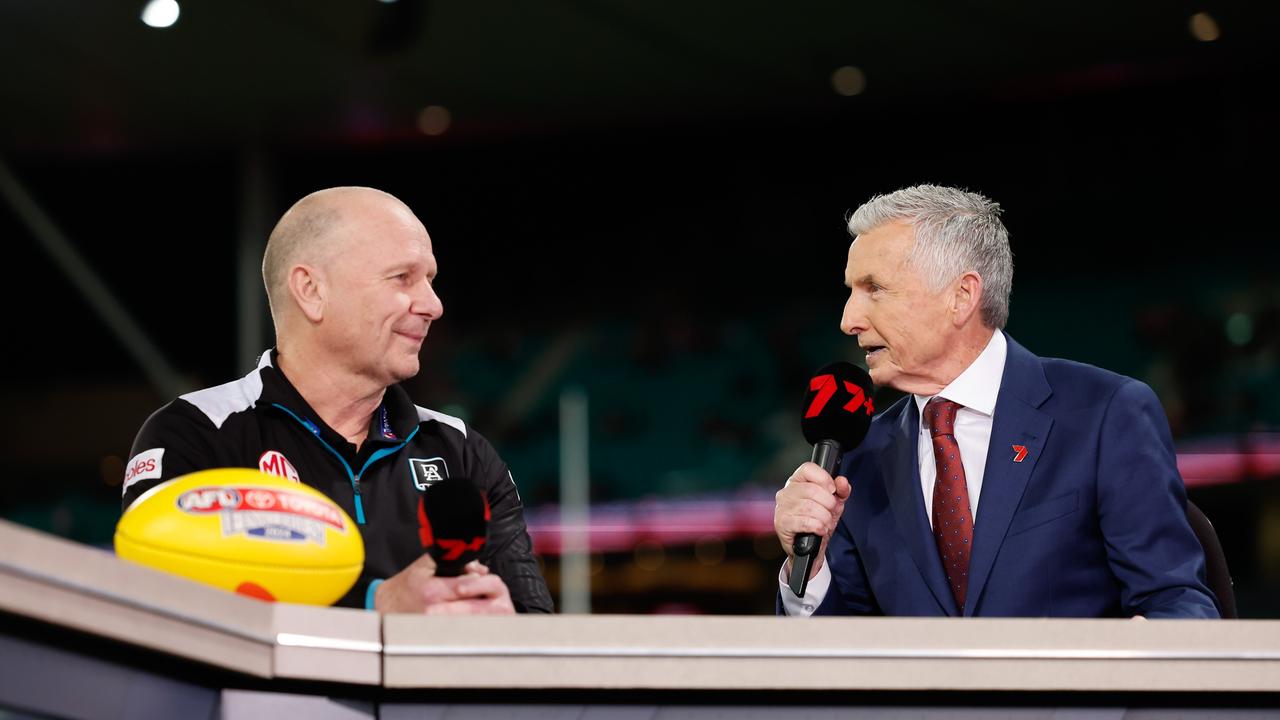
(417,589)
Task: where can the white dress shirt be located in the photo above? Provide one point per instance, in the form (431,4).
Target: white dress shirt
(975,390)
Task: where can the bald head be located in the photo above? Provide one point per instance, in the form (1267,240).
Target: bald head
(311,232)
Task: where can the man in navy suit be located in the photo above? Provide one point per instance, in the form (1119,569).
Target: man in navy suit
(1004,484)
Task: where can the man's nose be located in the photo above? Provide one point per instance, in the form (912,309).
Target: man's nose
(427,302)
(853,320)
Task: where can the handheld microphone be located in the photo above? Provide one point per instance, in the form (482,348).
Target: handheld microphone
(836,416)
(453,524)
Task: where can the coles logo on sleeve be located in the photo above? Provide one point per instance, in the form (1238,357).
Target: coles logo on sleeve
(145,465)
(273,462)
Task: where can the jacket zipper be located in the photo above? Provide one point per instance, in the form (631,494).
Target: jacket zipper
(353,476)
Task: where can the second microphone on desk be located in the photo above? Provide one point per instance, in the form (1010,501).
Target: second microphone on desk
(453,524)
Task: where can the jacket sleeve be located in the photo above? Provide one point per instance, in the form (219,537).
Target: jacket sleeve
(850,592)
(509,550)
(174,441)
(1142,508)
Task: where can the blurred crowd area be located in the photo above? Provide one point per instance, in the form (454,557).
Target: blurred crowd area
(683,404)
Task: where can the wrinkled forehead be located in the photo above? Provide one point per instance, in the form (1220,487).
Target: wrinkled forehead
(371,240)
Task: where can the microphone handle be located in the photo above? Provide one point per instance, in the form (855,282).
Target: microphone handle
(826,454)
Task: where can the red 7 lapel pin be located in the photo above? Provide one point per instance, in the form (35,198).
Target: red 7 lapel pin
(1020,453)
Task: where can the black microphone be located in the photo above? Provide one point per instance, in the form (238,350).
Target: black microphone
(453,524)
(835,418)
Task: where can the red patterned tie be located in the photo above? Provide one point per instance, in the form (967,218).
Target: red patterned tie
(952,522)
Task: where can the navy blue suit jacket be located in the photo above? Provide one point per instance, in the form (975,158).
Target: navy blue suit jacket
(1091,523)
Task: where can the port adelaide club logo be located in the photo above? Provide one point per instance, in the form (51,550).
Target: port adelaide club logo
(264,513)
(428,471)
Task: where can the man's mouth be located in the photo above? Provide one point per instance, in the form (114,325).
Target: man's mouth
(873,349)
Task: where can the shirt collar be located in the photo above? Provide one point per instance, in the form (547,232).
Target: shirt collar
(393,421)
(977,387)
(396,419)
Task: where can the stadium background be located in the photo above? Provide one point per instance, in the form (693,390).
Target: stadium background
(644,203)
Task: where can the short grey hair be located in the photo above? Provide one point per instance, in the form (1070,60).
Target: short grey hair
(301,229)
(956,231)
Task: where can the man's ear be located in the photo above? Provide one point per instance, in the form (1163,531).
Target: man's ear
(967,298)
(309,291)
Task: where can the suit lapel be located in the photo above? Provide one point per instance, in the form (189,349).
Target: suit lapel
(1017,421)
(901,472)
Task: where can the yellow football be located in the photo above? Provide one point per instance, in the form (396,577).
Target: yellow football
(245,531)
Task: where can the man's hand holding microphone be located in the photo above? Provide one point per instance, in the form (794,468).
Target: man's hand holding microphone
(836,416)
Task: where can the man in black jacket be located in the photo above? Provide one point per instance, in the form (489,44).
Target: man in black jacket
(349,276)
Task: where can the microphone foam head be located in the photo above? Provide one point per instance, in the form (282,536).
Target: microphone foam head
(453,524)
(837,405)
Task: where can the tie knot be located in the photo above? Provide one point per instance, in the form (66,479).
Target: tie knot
(940,416)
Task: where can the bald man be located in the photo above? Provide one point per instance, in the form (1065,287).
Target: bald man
(349,275)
